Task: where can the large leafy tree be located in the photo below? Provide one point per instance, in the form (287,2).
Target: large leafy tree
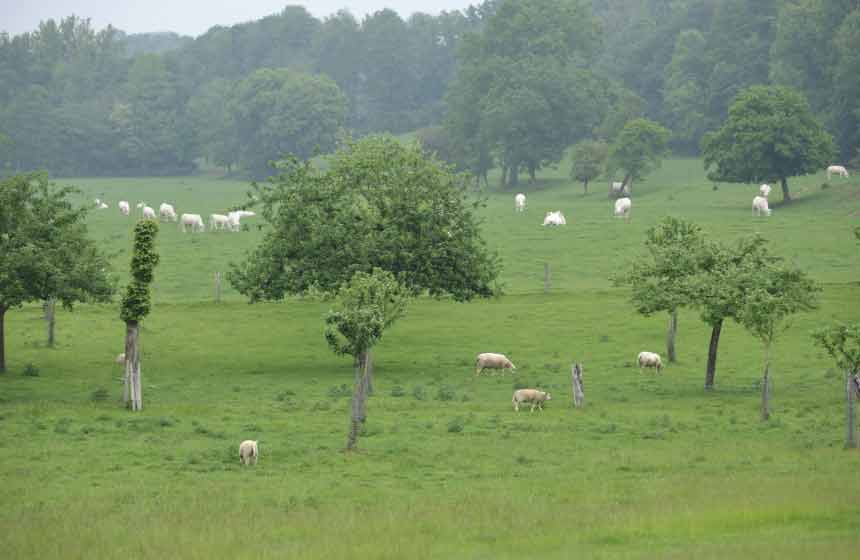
(588,159)
(770,134)
(377,203)
(365,308)
(842,342)
(45,253)
(639,149)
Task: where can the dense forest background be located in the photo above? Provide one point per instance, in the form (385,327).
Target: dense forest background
(499,82)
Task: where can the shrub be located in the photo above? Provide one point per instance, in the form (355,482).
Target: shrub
(100,394)
(398,391)
(445,393)
(30,370)
(456,425)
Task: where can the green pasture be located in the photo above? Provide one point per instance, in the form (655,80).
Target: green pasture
(652,467)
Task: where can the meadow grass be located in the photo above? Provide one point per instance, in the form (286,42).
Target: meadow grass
(652,467)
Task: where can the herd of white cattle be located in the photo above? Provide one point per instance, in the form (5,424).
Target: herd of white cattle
(166,212)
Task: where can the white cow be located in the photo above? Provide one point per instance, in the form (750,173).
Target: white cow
(194,221)
(103,206)
(248,451)
(124,207)
(759,206)
(149,213)
(140,205)
(234,217)
(98,202)
(537,398)
(489,360)
(218,221)
(618,189)
(764,190)
(167,212)
(622,207)
(520,202)
(649,360)
(838,169)
(554,219)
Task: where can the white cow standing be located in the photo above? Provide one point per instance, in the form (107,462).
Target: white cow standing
(149,213)
(759,206)
(234,217)
(194,221)
(124,208)
(218,221)
(838,169)
(167,212)
(554,219)
(520,202)
(103,206)
(622,208)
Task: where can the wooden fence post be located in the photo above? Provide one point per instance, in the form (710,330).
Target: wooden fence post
(546,278)
(217,287)
(578,387)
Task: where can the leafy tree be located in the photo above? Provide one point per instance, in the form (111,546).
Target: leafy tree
(365,308)
(377,203)
(45,253)
(686,88)
(589,158)
(214,124)
(842,342)
(775,293)
(638,150)
(660,279)
(136,304)
(770,134)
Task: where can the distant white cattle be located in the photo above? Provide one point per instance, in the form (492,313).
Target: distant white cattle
(98,202)
(103,206)
(520,202)
(124,207)
(218,221)
(759,206)
(234,218)
(489,360)
(554,219)
(248,451)
(622,207)
(649,360)
(194,221)
(167,212)
(140,205)
(617,189)
(838,169)
(764,190)
(149,213)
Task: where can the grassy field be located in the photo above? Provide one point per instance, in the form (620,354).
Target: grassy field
(653,467)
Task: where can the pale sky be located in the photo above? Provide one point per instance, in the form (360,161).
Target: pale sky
(193,17)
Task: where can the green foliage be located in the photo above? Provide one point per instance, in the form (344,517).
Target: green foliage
(638,149)
(136,301)
(770,134)
(377,204)
(588,158)
(686,87)
(842,342)
(30,370)
(365,307)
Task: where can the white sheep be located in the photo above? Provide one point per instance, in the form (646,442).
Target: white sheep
(759,206)
(248,451)
(489,360)
(537,398)
(520,202)
(649,360)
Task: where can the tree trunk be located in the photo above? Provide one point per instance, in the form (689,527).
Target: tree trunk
(578,388)
(2,341)
(627,184)
(358,411)
(504,178)
(786,196)
(132,392)
(670,335)
(585,186)
(711,370)
(50,317)
(850,397)
(368,375)
(514,176)
(765,387)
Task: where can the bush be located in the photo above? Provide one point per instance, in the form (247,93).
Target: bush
(100,394)
(31,371)
(456,425)
(445,393)
(398,391)
(419,393)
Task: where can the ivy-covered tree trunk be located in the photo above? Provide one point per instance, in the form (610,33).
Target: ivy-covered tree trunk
(50,309)
(711,369)
(2,341)
(765,386)
(670,335)
(359,396)
(786,196)
(850,398)
(132,391)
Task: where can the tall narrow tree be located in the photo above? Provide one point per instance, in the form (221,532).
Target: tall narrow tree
(136,304)
(842,342)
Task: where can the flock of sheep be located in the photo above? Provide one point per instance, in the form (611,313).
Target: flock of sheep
(225,222)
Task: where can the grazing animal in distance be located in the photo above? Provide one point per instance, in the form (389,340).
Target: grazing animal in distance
(759,206)
(520,202)
(622,207)
(124,208)
(649,360)
(533,396)
(764,190)
(167,212)
(489,360)
(838,169)
(554,219)
(149,213)
(248,451)
(194,221)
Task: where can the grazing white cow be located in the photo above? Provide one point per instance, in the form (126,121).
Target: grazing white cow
(759,206)
(167,212)
(554,219)
(248,451)
(149,213)
(618,189)
(234,217)
(520,202)
(838,169)
(103,206)
(488,360)
(764,190)
(140,205)
(124,207)
(649,360)
(218,221)
(194,221)
(537,398)
(622,207)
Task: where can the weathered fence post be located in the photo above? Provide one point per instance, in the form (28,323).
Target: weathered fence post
(50,309)
(578,388)
(546,278)
(852,390)
(217,287)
